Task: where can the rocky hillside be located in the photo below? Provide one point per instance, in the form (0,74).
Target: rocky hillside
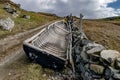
(10,2)
(23,20)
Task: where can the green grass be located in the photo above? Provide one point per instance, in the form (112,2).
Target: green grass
(3,13)
(23,69)
(21,24)
(33,72)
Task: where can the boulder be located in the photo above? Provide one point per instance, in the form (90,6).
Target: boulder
(7,6)
(7,23)
(94,48)
(15,15)
(26,16)
(97,68)
(116,76)
(110,55)
(11,10)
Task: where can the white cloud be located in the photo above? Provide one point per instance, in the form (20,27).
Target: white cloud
(90,8)
(118,11)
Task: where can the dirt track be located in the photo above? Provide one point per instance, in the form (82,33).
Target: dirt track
(12,43)
(11,51)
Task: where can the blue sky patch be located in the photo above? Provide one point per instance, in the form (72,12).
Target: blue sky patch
(115,5)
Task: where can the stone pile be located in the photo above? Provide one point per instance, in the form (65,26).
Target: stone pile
(97,61)
(60,75)
(92,61)
(7,24)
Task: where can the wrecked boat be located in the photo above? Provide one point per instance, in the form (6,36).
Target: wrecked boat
(49,46)
(64,43)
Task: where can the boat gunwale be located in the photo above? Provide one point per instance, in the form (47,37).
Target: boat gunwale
(26,42)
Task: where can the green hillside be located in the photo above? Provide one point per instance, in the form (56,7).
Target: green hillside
(116,18)
(25,71)
(22,24)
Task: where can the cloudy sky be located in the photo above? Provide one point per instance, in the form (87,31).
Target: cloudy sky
(89,8)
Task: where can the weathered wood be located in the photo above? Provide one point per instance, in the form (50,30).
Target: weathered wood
(50,43)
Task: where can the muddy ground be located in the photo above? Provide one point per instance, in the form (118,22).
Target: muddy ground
(15,67)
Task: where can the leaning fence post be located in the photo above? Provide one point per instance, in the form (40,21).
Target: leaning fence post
(80,28)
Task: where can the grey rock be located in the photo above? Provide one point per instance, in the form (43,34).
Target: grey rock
(94,48)
(26,16)
(97,68)
(113,69)
(117,65)
(117,76)
(15,15)
(83,54)
(110,55)
(7,6)
(9,9)
(44,75)
(108,73)
(7,24)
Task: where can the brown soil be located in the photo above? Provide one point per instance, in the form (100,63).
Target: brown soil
(106,33)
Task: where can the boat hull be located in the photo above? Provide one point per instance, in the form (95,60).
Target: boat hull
(49,46)
(44,58)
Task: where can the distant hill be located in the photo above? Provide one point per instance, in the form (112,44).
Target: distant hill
(113,18)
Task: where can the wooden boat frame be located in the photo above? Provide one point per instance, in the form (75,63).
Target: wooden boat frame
(41,56)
